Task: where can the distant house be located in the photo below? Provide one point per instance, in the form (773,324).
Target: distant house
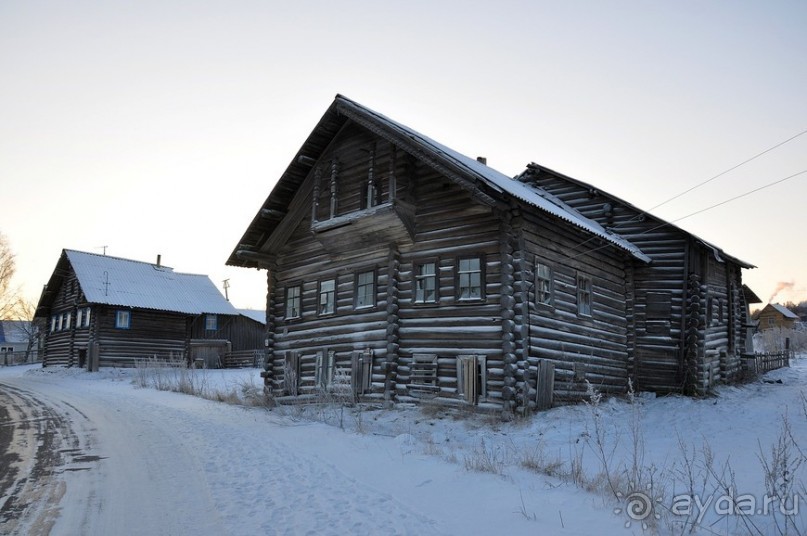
(775,316)
(110,311)
(415,271)
(17,341)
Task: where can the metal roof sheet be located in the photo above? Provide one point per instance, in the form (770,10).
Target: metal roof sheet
(128,283)
(787,313)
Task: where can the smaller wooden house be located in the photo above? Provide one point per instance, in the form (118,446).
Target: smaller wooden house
(775,316)
(108,311)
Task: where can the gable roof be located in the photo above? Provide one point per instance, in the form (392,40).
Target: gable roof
(787,313)
(127,283)
(485,183)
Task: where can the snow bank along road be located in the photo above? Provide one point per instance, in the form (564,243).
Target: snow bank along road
(86,456)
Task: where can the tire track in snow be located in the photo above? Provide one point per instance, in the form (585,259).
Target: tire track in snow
(36,439)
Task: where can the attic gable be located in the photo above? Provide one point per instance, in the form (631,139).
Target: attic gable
(485,185)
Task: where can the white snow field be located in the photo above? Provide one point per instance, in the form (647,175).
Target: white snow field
(94,454)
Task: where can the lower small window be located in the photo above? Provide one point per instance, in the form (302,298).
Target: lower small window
(123,319)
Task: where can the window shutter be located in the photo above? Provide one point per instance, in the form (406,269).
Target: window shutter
(291,373)
(472,377)
(361,371)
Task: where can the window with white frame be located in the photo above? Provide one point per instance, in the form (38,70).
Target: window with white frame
(123,319)
(365,289)
(82,317)
(543,284)
(54,323)
(293,302)
(327,297)
(469,278)
(583,295)
(426,282)
(211,322)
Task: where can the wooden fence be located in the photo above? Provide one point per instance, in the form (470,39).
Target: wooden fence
(760,363)
(18,358)
(243,359)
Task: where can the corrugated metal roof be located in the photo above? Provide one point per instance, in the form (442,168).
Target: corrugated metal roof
(127,283)
(787,313)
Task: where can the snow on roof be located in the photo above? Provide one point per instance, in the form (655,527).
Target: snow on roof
(254,314)
(502,183)
(787,313)
(116,281)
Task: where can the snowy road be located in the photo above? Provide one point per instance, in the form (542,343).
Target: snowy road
(101,457)
(121,469)
(91,454)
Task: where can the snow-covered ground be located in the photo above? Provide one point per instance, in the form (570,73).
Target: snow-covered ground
(135,460)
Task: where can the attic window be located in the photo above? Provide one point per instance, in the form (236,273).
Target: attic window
(211,322)
(370,195)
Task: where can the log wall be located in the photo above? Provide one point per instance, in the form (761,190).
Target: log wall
(581,347)
(661,297)
(63,347)
(510,338)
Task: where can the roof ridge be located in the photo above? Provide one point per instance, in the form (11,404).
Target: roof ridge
(135,261)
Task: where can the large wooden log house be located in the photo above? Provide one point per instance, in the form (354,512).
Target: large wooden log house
(99,310)
(415,272)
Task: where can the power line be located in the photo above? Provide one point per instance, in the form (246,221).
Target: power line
(774,183)
(707,181)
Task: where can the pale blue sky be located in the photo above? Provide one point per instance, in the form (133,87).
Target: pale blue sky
(159,127)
